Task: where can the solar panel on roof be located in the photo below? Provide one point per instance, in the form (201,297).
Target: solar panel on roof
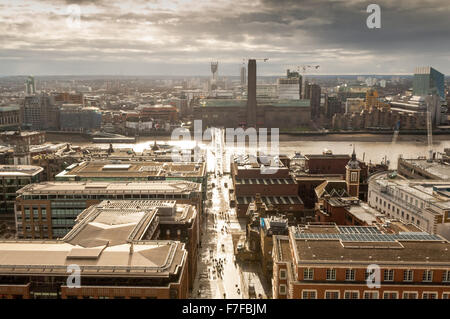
(369,237)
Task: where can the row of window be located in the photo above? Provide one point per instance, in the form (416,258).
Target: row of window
(105,196)
(397,211)
(388,275)
(369,294)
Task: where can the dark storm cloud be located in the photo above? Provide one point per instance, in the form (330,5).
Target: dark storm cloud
(332,33)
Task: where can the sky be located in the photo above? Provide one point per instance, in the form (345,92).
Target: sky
(182,37)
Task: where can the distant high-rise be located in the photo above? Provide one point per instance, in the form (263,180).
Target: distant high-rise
(214,71)
(251,95)
(312,93)
(40,112)
(428,81)
(290,88)
(243,76)
(30,86)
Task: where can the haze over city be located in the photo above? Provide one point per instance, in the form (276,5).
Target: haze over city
(182,37)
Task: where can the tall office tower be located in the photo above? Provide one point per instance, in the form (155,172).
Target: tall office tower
(332,106)
(251,95)
(30,86)
(290,88)
(428,81)
(312,93)
(305,94)
(214,71)
(40,112)
(243,75)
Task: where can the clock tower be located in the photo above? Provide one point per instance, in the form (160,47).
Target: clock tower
(352,173)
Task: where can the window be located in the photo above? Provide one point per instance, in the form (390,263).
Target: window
(282,273)
(446,295)
(332,294)
(410,295)
(389,275)
(309,294)
(429,295)
(331,274)
(446,276)
(427,276)
(351,294)
(282,289)
(308,274)
(370,294)
(390,295)
(408,275)
(349,274)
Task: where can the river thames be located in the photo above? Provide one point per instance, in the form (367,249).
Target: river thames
(371,148)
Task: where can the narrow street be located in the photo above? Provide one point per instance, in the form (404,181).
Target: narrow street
(218,275)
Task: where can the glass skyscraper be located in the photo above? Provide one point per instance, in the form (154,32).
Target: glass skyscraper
(428,81)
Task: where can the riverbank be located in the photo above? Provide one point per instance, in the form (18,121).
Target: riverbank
(360,137)
(363,137)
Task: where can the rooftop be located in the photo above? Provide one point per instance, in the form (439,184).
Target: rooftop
(152,258)
(89,187)
(112,223)
(367,244)
(19,170)
(100,169)
(113,238)
(440,170)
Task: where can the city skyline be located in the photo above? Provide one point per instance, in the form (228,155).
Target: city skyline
(182,37)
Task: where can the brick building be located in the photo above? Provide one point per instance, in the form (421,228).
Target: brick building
(115,247)
(277,189)
(48,210)
(331,262)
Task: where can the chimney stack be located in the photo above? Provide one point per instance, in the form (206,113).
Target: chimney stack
(251,93)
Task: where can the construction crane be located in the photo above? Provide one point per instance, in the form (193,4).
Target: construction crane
(262,59)
(304,67)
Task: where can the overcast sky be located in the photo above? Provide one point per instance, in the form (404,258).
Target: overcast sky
(181,37)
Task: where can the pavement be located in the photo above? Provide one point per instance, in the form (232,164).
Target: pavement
(218,275)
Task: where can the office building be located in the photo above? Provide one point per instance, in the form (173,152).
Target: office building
(115,246)
(428,80)
(13,178)
(421,168)
(49,210)
(76,118)
(332,106)
(331,262)
(68,98)
(144,219)
(10,117)
(290,87)
(277,190)
(40,113)
(313,92)
(424,203)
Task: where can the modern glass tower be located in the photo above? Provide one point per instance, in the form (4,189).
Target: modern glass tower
(428,81)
